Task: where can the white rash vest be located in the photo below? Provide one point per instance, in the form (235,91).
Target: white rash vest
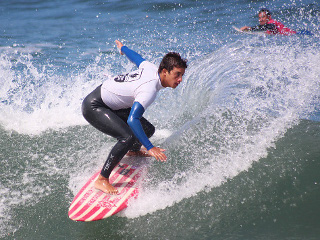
(141,86)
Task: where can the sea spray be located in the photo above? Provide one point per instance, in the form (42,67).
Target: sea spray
(243,105)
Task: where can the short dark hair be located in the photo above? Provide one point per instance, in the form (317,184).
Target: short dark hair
(171,60)
(265,10)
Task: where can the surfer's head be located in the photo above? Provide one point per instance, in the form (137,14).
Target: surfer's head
(171,69)
(171,60)
(264,16)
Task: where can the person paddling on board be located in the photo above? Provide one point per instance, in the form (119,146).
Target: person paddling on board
(269,25)
(116,108)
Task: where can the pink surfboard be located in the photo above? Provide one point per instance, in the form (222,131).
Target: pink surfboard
(91,204)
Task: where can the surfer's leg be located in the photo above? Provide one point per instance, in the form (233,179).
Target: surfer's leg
(106,120)
(125,140)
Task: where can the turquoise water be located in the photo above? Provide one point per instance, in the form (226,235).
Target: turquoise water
(242,131)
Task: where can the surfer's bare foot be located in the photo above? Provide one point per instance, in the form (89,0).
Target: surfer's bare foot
(141,153)
(104,185)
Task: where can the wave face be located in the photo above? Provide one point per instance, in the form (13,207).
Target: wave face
(241,132)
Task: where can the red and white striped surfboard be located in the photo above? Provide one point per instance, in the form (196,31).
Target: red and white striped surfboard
(91,204)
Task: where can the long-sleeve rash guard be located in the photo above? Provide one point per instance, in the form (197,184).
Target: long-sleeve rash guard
(132,55)
(135,90)
(134,122)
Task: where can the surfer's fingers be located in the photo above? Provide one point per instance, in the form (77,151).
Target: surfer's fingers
(162,157)
(158,154)
(157,157)
(119,46)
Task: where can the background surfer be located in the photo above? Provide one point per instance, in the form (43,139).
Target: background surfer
(116,108)
(268,25)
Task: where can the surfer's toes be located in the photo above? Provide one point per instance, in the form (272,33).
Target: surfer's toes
(108,191)
(111,192)
(103,185)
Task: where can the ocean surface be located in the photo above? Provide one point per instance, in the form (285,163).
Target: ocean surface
(242,131)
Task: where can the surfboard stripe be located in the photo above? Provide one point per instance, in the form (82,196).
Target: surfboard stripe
(78,201)
(119,205)
(82,192)
(90,205)
(86,203)
(93,207)
(90,213)
(127,184)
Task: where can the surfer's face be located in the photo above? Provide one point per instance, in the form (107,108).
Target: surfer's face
(263,18)
(173,78)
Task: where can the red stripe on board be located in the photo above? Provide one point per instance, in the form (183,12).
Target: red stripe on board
(109,201)
(80,193)
(82,208)
(85,186)
(125,203)
(134,194)
(89,193)
(104,213)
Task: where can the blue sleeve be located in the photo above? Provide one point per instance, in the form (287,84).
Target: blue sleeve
(134,122)
(132,55)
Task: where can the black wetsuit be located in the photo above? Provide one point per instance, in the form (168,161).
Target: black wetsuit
(113,123)
(266,27)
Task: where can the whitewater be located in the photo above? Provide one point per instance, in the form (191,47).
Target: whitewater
(241,131)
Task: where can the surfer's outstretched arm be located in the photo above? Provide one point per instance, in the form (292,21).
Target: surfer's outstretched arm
(132,55)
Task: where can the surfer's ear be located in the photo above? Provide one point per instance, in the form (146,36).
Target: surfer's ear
(164,71)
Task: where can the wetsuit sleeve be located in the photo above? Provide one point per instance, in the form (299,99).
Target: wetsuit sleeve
(132,55)
(134,122)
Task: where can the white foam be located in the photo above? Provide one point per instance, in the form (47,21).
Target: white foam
(230,109)
(252,102)
(35,99)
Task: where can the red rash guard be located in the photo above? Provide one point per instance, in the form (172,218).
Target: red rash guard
(280,28)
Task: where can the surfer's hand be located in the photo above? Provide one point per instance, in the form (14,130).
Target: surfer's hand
(245,28)
(158,154)
(119,46)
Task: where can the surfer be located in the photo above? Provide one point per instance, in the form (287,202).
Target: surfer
(116,108)
(269,25)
